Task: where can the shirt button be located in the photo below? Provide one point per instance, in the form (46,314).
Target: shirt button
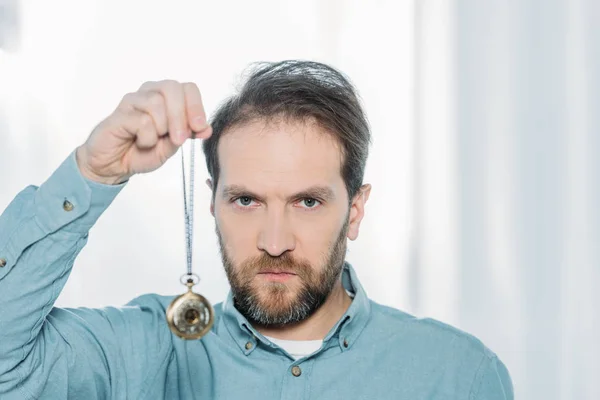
(248,345)
(67,205)
(2,262)
(345,343)
(296,371)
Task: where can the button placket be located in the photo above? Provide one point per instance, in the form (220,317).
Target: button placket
(296,379)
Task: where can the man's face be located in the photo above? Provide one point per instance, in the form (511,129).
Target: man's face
(282,218)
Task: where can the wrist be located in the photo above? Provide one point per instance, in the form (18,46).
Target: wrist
(87,173)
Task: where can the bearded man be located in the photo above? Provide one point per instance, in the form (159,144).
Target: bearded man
(286,157)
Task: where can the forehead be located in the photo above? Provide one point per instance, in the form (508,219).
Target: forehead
(279,153)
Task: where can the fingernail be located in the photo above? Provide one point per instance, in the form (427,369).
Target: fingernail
(200,123)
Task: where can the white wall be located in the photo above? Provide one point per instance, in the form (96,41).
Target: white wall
(78,58)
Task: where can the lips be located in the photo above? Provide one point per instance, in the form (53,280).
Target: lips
(277,276)
(278,272)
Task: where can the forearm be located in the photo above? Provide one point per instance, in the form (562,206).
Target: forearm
(41,233)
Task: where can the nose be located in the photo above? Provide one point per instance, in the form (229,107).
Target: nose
(276,236)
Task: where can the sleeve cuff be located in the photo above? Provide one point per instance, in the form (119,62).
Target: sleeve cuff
(68,198)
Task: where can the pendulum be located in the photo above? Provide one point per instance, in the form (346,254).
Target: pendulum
(190,315)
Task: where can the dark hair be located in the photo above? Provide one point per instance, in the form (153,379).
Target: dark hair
(298,90)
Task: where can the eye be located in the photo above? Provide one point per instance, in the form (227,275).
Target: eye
(244,201)
(309,203)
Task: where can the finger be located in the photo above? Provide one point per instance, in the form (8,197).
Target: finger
(194,107)
(147,136)
(165,148)
(204,134)
(152,103)
(174,98)
(139,126)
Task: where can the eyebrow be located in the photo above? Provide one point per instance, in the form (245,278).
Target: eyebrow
(324,193)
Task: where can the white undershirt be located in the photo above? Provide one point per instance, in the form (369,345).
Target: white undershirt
(297,348)
(300,348)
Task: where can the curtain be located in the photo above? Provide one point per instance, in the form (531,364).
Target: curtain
(507,183)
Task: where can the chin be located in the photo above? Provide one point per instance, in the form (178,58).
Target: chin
(276,296)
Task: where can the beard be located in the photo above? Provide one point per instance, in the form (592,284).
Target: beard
(279,303)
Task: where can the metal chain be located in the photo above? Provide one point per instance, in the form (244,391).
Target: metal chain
(189,209)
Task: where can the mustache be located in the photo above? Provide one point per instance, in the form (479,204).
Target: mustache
(285,263)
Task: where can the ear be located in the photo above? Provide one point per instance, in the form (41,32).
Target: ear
(357,210)
(212,203)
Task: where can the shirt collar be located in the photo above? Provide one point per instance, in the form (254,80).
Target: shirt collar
(345,331)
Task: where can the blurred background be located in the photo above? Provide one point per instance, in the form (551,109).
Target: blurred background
(485,162)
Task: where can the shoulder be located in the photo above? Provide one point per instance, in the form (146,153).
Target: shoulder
(426,331)
(432,345)
(430,339)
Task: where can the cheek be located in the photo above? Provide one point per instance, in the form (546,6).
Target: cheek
(239,237)
(314,241)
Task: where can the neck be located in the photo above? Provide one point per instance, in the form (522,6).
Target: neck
(318,324)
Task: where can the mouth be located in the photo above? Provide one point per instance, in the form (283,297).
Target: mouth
(277,276)
(277,271)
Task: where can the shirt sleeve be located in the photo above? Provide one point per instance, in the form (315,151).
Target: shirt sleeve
(492,381)
(51,353)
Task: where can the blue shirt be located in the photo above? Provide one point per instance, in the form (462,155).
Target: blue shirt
(373,352)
